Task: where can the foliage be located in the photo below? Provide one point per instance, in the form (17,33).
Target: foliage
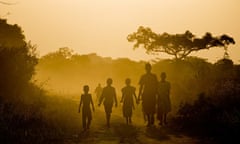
(178,45)
(20,100)
(28,113)
(11,36)
(209,92)
(17,60)
(217,111)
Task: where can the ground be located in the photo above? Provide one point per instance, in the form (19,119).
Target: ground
(120,133)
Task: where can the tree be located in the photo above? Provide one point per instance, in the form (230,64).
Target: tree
(17,60)
(11,35)
(60,55)
(178,45)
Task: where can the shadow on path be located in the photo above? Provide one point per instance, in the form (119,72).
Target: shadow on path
(120,133)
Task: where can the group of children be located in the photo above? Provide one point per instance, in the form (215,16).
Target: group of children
(108,98)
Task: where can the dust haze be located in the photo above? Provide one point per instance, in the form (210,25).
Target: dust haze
(40,95)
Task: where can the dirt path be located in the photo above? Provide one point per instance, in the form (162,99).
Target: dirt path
(120,133)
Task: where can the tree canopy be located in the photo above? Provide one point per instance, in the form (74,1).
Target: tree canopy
(17,60)
(11,35)
(178,45)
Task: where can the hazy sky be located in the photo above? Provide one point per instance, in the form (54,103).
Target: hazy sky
(101,26)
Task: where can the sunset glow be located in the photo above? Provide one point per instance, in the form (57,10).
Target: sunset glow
(93,26)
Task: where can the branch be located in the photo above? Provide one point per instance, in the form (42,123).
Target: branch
(185,54)
(170,52)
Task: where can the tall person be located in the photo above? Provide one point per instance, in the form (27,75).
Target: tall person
(148,94)
(109,96)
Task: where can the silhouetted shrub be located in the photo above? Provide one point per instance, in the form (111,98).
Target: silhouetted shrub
(215,114)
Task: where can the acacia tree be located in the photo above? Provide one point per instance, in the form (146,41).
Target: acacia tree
(178,45)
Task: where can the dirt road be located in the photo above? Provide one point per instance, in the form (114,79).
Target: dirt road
(120,133)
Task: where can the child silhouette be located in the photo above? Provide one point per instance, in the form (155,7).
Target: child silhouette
(86,100)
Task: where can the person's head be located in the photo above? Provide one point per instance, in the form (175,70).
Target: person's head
(128,81)
(109,81)
(148,67)
(99,85)
(163,75)
(86,88)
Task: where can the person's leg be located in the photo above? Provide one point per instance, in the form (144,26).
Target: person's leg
(148,120)
(89,122)
(159,113)
(152,119)
(108,115)
(160,119)
(108,110)
(165,118)
(130,120)
(107,118)
(144,117)
(84,121)
(126,120)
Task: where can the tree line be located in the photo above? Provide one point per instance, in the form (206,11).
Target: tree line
(203,94)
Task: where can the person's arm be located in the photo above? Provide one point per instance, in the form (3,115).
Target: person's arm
(135,96)
(122,96)
(141,83)
(80,104)
(140,92)
(158,94)
(92,103)
(115,98)
(169,89)
(133,106)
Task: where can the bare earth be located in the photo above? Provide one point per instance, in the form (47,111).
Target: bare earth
(120,133)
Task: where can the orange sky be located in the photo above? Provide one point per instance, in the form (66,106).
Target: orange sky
(101,26)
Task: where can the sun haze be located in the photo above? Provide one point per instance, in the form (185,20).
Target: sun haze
(93,26)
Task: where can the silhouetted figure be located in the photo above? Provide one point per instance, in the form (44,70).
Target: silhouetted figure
(148,91)
(86,100)
(128,92)
(98,91)
(164,103)
(109,97)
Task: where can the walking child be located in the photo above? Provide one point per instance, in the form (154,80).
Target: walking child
(164,103)
(98,91)
(128,92)
(109,96)
(86,100)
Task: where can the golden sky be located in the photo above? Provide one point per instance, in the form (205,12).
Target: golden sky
(101,26)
